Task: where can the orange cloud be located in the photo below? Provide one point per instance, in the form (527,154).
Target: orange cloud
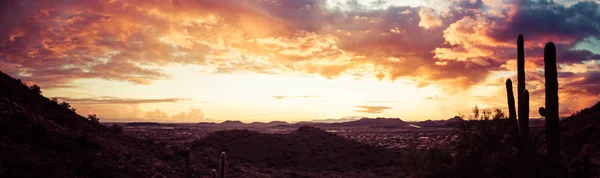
(192,115)
(156,115)
(429,19)
(372,109)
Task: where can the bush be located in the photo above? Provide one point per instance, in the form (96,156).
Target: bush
(36,89)
(92,118)
(65,105)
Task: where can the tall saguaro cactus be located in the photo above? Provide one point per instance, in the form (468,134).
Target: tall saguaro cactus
(552,127)
(223,165)
(523,111)
(512,113)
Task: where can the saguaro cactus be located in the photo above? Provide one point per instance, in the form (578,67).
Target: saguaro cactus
(523,111)
(214,173)
(552,127)
(512,112)
(524,115)
(187,163)
(223,165)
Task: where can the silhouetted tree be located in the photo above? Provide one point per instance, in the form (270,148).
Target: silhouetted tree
(498,114)
(486,115)
(36,89)
(65,105)
(475,113)
(93,118)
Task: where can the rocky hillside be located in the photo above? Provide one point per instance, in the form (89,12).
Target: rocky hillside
(42,138)
(581,133)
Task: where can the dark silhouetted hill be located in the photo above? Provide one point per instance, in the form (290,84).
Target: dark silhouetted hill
(277,123)
(307,148)
(452,122)
(364,122)
(232,123)
(377,122)
(581,132)
(40,138)
(345,119)
(269,124)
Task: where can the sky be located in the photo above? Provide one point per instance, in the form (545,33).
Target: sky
(297,60)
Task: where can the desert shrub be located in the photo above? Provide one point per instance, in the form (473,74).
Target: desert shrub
(93,118)
(482,149)
(36,89)
(68,106)
(65,105)
(485,149)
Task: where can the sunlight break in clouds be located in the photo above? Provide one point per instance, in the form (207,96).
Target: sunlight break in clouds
(243,60)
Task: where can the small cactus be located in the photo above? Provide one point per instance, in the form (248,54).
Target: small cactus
(552,123)
(187,162)
(194,172)
(223,165)
(214,173)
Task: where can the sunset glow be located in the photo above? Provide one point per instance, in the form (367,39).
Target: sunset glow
(296,60)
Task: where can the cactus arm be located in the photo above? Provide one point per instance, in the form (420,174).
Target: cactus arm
(512,112)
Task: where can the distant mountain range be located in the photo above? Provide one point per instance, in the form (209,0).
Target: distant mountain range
(343,122)
(345,119)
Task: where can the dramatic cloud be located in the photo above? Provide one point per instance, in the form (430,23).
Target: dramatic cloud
(372,109)
(192,115)
(452,44)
